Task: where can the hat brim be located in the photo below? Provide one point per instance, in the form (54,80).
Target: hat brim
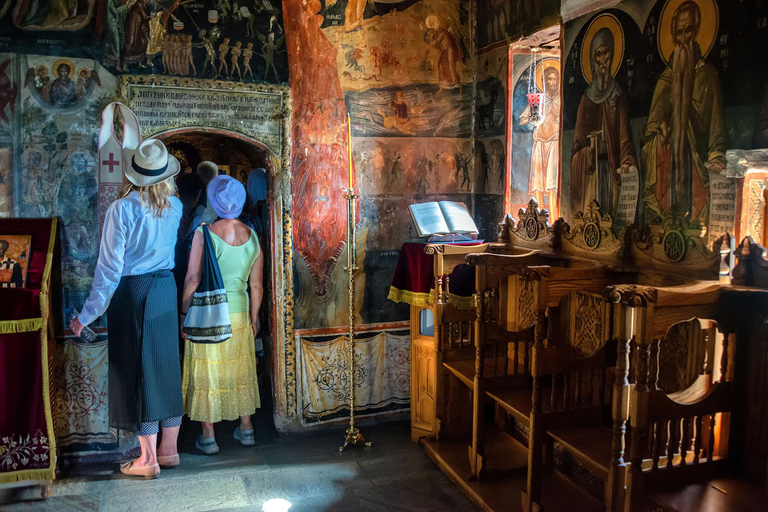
(147,181)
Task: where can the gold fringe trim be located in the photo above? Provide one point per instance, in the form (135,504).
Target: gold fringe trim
(418,299)
(425,300)
(28,474)
(16,326)
(42,324)
(461,302)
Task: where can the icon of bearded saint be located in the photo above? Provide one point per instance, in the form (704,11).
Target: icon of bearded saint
(685,136)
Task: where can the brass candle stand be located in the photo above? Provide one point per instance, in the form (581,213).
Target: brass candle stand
(353,437)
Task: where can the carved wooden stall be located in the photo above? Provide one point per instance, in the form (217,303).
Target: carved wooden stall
(442,327)
(559,344)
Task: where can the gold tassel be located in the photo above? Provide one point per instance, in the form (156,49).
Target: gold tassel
(16,326)
(29,474)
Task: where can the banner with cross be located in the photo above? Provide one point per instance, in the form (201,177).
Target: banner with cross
(111,153)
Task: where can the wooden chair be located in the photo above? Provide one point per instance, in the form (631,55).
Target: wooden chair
(528,241)
(678,438)
(512,320)
(437,409)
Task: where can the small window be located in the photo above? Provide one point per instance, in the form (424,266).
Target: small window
(426,322)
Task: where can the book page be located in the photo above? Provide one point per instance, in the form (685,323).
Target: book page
(428,219)
(457,217)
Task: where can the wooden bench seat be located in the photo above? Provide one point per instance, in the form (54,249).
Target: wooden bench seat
(718,495)
(505,476)
(591,445)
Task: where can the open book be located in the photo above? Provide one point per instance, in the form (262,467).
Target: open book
(443,220)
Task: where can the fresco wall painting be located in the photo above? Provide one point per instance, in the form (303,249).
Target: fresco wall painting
(668,134)
(535,130)
(502,19)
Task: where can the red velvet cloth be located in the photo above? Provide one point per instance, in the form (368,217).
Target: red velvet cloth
(414,272)
(25,434)
(25,442)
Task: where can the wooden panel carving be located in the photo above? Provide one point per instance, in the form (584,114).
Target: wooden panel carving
(590,320)
(523,297)
(591,234)
(674,242)
(531,230)
(423,375)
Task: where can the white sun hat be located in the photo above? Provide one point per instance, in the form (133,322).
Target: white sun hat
(149,164)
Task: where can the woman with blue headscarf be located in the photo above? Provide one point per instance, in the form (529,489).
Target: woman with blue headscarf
(220,381)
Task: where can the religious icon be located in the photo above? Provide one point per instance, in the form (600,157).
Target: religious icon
(14,259)
(66,90)
(117,11)
(137,33)
(544,165)
(52,15)
(685,138)
(446,38)
(602,145)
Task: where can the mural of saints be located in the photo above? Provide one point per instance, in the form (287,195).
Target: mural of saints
(544,154)
(602,143)
(446,38)
(685,139)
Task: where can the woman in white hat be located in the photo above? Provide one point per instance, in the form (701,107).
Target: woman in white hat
(220,379)
(133,283)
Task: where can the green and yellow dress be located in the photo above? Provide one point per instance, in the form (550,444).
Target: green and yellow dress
(220,379)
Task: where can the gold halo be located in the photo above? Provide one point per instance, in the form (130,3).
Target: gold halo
(610,22)
(540,67)
(41,67)
(58,63)
(707,31)
(87,72)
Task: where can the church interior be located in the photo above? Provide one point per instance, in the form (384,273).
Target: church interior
(587,331)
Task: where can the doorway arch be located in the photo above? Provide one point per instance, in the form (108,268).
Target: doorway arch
(278,297)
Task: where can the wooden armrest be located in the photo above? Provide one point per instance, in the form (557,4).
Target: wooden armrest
(500,260)
(447,249)
(539,272)
(690,294)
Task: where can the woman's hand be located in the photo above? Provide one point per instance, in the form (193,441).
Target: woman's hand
(181,326)
(76,327)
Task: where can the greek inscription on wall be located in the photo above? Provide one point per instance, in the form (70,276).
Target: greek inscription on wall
(250,113)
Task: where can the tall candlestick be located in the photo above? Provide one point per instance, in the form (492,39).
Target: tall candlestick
(349,148)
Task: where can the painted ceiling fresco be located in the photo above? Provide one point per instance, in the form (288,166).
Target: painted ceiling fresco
(241,40)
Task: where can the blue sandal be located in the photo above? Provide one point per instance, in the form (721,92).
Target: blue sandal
(207,445)
(245,437)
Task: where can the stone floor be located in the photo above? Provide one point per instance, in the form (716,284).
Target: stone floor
(306,469)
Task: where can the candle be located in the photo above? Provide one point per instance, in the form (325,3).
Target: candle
(349,148)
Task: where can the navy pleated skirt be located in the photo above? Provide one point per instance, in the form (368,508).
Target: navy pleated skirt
(144,368)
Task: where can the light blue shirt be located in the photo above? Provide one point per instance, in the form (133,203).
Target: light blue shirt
(133,242)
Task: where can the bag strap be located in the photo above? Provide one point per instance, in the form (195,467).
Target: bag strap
(209,252)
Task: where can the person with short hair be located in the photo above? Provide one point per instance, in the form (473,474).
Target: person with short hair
(220,380)
(133,283)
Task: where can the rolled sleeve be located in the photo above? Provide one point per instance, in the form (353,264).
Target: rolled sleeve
(109,268)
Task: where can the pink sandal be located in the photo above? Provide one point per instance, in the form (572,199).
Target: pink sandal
(148,472)
(168,461)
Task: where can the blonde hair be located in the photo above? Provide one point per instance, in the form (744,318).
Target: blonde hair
(155,197)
